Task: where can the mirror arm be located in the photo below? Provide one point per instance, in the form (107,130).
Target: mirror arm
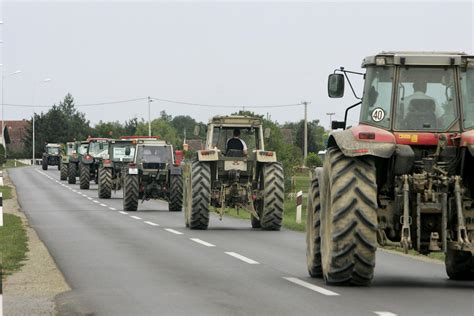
(347,111)
(345,72)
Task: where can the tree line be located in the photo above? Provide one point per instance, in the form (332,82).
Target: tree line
(63,123)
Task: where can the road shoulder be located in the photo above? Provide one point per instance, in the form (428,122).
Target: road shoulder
(32,290)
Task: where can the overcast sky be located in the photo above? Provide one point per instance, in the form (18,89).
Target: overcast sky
(233,53)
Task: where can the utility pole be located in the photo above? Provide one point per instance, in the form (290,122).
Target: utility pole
(149,116)
(330,119)
(305,141)
(33,161)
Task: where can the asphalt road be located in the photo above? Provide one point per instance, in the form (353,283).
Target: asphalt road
(148,263)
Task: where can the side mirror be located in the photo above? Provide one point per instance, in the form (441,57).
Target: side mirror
(127,151)
(267,132)
(338,124)
(197,129)
(336,85)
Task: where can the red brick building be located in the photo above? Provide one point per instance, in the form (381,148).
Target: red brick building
(15,132)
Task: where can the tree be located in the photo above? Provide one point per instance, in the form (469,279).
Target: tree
(159,127)
(108,129)
(313,160)
(2,155)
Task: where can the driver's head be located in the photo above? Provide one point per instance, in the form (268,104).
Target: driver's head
(236,132)
(419,86)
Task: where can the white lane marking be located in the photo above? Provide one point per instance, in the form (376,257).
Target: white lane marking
(151,223)
(122,212)
(113,209)
(95,201)
(240,257)
(385,314)
(102,204)
(202,242)
(173,231)
(135,217)
(74,191)
(312,286)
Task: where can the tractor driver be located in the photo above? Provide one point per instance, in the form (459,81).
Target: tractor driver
(236,143)
(419,88)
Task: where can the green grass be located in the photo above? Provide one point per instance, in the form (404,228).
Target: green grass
(13,244)
(6,191)
(11,164)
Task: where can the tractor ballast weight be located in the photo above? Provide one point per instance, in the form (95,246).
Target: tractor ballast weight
(51,156)
(224,178)
(404,175)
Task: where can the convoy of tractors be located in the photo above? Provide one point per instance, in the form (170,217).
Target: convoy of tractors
(404,175)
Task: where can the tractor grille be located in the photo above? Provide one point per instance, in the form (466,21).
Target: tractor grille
(154,165)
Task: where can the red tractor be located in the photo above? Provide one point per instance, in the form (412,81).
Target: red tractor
(404,174)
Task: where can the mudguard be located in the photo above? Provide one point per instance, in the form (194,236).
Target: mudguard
(364,140)
(467,140)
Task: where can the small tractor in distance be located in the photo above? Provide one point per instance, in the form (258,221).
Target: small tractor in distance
(74,156)
(152,174)
(97,149)
(404,175)
(121,152)
(51,156)
(70,148)
(223,177)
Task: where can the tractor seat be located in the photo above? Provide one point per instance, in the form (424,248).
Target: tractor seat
(421,115)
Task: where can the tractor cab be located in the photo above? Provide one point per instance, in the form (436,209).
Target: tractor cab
(98,147)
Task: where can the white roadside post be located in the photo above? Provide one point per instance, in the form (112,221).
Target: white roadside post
(299,202)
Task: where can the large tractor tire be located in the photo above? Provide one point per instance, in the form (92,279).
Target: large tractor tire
(71,173)
(459,265)
(273,194)
(63,172)
(199,194)
(105,183)
(313,224)
(130,193)
(176,193)
(59,166)
(44,164)
(84,176)
(348,218)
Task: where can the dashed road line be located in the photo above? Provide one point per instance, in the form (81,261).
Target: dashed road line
(151,223)
(122,212)
(312,287)
(113,209)
(95,201)
(173,231)
(243,258)
(102,204)
(202,242)
(135,217)
(385,314)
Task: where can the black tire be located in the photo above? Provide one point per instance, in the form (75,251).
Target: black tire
(176,193)
(313,224)
(59,166)
(71,173)
(200,194)
(459,265)
(84,176)
(44,164)
(63,172)
(273,195)
(105,183)
(130,193)
(348,218)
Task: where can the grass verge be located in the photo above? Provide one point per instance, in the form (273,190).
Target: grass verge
(13,244)
(12,163)
(6,192)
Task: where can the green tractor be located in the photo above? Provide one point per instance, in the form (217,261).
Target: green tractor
(51,156)
(97,149)
(228,174)
(152,174)
(70,162)
(121,152)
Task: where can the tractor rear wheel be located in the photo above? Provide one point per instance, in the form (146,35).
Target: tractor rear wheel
(130,193)
(71,173)
(59,166)
(44,164)
(273,194)
(200,195)
(63,171)
(105,183)
(313,224)
(84,176)
(459,265)
(176,193)
(348,218)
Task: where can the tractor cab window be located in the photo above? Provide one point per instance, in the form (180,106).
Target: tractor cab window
(467,93)
(224,139)
(377,96)
(156,154)
(98,149)
(425,99)
(53,150)
(70,149)
(83,149)
(119,151)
